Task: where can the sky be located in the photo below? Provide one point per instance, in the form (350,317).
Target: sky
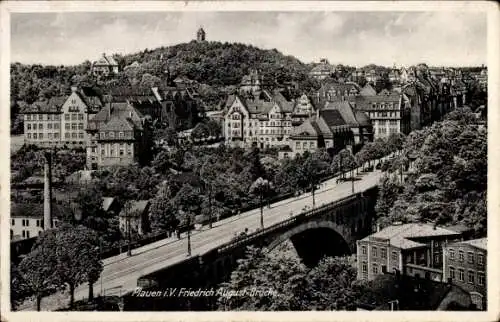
(353,38)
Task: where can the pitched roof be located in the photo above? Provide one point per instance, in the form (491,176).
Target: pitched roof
(117,124)
(305,129)
(107,202)
(400,235)
(368,90)
(52,105)
(480,243)
(137,208)
(346,111)
(332,117)
(285,105)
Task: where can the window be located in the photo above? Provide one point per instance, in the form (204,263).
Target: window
(374,251)
(297,145)
(461,256)
(28,117)
(364,267)
(452,273)
(38,223)
(363,250)
(57,117)
(13,222)
(480,278)
(49,126)
(80,126)
(29,126)
(383,253)
(50,136)
(67,126)
(103,151)
(73,135)
(29,135)
(375,268)
(40,136)
(74,116)
(24,234)
(56,135)
(470,257)
(73,126)
(40,117)
(34,136)
(66,117)
(40,126)
(27,222)
(470,277)
(452,254)
(480,259)
(461,275)
(80,135)
(80,117)
(120,135)
(121,152)
(56,126)
(66,135)
(102,135)
(394,256)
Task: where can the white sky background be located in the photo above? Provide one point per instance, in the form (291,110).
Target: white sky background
(354,38)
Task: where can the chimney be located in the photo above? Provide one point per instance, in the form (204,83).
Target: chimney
(47,192)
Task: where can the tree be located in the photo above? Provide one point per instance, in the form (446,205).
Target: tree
(309,174)
(331,285)
(343,161)
(78,260)
(395,141)
(187,202)
(161,212)
(39,268)
(209,173)
(18,287)
(261,188)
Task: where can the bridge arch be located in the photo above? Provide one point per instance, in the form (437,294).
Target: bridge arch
(308,237)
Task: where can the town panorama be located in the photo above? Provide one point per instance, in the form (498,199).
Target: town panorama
(221,176)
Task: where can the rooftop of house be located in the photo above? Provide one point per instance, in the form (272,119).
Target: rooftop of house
(106,60)
(137,208)
(480,243)
(107,202)
(401,235)
(116,116)
(51,105)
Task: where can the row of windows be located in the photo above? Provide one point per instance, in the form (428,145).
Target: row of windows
(383,253)
(264,124)
(43,117)
(39,126)
(373,115)
(73,117)
(364,268)
(55,136)
(471,276)
(470,257)
(26,222)
(112,135)
(304,145)
(73,126)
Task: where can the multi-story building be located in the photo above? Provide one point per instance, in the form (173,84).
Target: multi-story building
(105,66)
(201,34)
(303,110)
(61,121)
(323,70)
(335,127)
(411,249)
(134,218)
(263,121)
(117,136)
(254,82)
(388,113)
(465,266)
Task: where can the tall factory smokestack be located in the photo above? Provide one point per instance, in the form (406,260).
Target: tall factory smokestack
(47,192)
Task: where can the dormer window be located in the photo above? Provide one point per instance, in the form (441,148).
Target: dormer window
(111,135)
(120,135)
(103,135)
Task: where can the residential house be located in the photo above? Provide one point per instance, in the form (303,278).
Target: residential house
(263,120)
(118,136)
(368,90)
(336,91)
(334,127)
(408,75)
(372,76)
(465,266)
(302,110)
(134,218)
(322,70)
(26,220)
(389,113)
(394,75)
(105,66)
(253,82)
(410,249)
(61,121)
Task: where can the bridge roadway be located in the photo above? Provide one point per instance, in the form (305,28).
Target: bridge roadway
(120,272)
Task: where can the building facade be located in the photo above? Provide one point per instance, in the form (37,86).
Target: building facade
(408,249)
(105,66)
(117,136)
(465,266)
(388,113)
(323,70)
(61,121)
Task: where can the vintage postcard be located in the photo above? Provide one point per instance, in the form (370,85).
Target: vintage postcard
(248,161)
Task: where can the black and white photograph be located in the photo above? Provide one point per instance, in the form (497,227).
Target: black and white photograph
(255,158)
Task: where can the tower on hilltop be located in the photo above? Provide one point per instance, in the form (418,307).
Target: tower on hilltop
(200,34)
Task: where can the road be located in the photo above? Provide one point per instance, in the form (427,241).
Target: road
(120,273)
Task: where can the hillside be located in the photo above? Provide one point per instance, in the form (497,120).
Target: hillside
(215,66)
